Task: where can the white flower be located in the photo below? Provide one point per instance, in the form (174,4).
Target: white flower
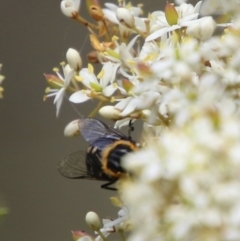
(104,86)
(123,53)
(202,28)
(110,226)
(186,14)
(111,10)
(185,180)
(59,93)
(70,7)
(135,11)
(144,101)
(183,66)
(106,230)
(218,6)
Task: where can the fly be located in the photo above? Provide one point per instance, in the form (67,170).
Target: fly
(102,160)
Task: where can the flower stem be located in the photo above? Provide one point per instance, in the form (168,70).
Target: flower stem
(101,235)
(93,113)
(74,82)
(139,32)
(85,22)
(122,235)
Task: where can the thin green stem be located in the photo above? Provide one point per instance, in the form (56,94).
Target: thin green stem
(75,84)
(108,35)
(139,32)
(94,112)
(122,235)
(101,235)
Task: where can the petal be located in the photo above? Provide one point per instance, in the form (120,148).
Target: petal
(87,77)
(110,15)
(123,103)
(79,97)
(197,7)
(161,32)
(111,6)
(140,24)
(107,73)
(120,123)
(109,90)
(109,76)
(59,95)
(66,70)
(68,78)
(188,18)
(132,105)
(131,43)
(59,99)
(125,55)
(114,71)
(136,11)
(185,9)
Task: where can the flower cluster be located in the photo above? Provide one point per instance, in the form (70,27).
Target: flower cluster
(172,72)
(119,225)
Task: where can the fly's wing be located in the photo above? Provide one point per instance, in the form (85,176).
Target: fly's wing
(74,166)
(92,129)
(82,165)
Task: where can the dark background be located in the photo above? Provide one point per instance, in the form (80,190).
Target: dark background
(34,37)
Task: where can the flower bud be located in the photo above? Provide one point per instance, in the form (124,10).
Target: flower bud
(125,17)
(96,13)
(110,112)
(72,129)
(171,14)
(78,234)
(74,59)
(93,57)
(93,221)
(97,45)
(85,238)
(70,8)
(202,28)
(54,81)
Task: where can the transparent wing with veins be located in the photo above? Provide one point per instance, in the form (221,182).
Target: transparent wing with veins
(91,129)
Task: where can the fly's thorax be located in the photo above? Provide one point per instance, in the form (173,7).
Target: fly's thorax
(94,164)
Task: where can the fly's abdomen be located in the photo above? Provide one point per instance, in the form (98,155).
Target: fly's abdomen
(111,157)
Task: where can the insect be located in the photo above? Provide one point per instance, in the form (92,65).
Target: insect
(102,161)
